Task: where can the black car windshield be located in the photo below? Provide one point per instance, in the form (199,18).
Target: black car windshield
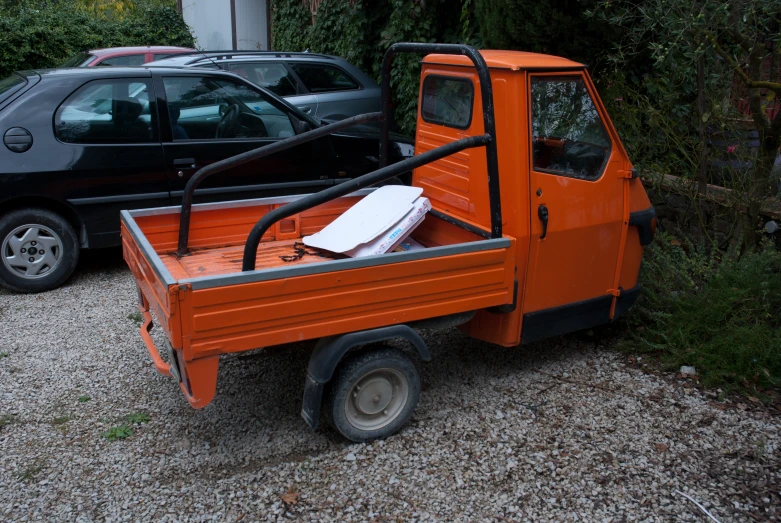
(78,60)
(10,85)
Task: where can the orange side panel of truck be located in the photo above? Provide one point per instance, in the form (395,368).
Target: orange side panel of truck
(243,311)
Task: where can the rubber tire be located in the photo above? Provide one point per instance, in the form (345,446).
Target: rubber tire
(350,371)
(68,260)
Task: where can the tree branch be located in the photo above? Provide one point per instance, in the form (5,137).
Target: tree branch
(740,39)
(775,127)
(758,84)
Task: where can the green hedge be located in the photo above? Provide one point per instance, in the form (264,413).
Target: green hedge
(44,37)
(360,31)
(715,311)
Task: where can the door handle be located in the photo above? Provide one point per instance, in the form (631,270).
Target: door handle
(305,108)
(542,214)
(187,163)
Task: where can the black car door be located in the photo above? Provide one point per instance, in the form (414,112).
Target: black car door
(208,117)
(108,146)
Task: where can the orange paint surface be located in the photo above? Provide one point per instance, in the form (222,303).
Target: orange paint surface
(589,249)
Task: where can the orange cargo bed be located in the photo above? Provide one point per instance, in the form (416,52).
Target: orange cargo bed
(207,306)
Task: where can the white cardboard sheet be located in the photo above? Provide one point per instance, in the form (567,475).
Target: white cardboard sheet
(366,220)
(394,235)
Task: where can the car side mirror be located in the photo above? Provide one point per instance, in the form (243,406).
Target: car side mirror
(300,126)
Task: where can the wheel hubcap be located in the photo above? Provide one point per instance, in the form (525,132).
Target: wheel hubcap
(377,399)
(31,251)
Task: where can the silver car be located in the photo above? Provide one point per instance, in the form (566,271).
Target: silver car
(323,86)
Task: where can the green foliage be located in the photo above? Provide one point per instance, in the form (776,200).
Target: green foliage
(37,35)
(718,313)
(557,27)
(30,472)
(84,399)
(6,419)
(290,21)
(119,432)
(125,429)
(361,31)
(137,418)
(136,317)
(685,70)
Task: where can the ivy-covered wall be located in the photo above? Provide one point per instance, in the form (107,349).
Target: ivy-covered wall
(39,34)
(361,31)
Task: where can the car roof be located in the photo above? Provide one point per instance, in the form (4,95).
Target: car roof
(137,49)
(201,57)
(514,60)
(120,71)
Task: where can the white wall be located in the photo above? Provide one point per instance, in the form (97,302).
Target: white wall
(251,25)
(210,21)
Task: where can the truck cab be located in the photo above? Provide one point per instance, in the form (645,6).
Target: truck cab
(569,194)
(536,228)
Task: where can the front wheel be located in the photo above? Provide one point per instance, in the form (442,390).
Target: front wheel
(38,250)
(373,394)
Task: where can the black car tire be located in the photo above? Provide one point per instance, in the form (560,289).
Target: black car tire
(392,383)
(56,231)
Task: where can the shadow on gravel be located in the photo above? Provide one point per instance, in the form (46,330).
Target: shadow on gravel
(99,260)
(258,397)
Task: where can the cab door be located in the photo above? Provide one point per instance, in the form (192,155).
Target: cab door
(577,207)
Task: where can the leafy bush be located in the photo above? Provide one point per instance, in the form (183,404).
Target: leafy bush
(557,27)
(360,31)
(720,313)
(44,35)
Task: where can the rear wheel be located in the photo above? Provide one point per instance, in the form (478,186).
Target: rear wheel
(373,394)
(38,250)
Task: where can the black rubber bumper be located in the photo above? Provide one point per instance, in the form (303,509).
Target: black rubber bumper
(644,221)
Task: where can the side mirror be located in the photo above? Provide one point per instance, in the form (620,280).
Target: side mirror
(300,126)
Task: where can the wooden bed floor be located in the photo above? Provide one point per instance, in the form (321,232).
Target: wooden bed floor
(226,260)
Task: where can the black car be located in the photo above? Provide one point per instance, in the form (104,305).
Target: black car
(82,144)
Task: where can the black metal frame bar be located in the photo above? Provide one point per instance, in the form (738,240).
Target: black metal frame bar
(489,123)
(255,154)
(385,172)
(343,189)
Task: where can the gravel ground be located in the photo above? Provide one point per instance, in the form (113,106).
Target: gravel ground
(559,431)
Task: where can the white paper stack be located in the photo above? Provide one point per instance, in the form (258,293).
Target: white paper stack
(376,224)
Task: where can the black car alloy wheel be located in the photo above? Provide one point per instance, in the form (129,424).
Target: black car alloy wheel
(38,250)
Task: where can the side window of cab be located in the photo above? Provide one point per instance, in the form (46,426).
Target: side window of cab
(447,101)
(568,137)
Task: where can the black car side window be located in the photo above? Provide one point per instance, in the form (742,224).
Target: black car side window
(320,78)
(220,108)
(108,111)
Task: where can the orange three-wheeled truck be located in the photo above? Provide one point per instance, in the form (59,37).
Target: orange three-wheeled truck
(537,228)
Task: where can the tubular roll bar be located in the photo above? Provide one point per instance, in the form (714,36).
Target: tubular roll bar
(386,173)
(255,154)
(489,123)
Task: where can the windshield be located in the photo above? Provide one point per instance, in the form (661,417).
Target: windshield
(10,85)
(78,60)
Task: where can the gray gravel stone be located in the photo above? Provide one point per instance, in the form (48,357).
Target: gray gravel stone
(557,431)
